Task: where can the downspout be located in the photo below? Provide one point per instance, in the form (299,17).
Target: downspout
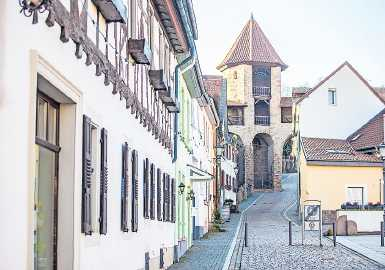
(192,59)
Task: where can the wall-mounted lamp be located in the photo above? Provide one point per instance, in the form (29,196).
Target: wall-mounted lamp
(190,195)
(33,7)
(236,170)
(181,188)
(219,150)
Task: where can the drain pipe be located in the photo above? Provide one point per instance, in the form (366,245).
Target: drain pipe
(192,59)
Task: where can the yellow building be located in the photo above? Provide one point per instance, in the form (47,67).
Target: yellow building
(333,172)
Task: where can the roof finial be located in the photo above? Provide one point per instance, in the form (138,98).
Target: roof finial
(252,16)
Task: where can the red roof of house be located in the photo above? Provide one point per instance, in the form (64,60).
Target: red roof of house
(213,85)
(369,135)
(320,149)
(380,91)
(252,47)
(286,102)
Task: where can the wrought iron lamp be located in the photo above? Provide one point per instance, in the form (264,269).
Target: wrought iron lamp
(32,7)
(220,149)
(190,195)
(181,188)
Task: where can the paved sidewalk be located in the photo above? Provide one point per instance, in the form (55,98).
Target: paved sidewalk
(210,252)
(367,245)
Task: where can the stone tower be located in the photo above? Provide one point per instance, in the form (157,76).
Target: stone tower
(253,69)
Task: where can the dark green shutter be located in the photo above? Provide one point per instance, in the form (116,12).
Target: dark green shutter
(164,218)
(159,193)
(134,197)
(124,188)
(103,183)
(146,165)
(152,191)
(173,200)
(87,171)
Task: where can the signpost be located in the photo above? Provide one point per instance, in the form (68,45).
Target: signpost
(312,218)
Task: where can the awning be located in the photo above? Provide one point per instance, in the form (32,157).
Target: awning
(198,175)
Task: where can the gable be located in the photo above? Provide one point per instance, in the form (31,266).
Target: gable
(356,102)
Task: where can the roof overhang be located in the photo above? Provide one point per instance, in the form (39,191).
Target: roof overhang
(344,163)
(198,175)
(168,16)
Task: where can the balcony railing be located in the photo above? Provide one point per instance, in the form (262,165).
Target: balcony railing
(235,120)
(262,120)
(261,91)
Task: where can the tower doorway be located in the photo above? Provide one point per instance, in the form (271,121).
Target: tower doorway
(263,161)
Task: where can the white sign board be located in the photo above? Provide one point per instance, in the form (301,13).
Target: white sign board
(312,218)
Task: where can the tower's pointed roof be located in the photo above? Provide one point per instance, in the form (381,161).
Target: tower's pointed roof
(252,47)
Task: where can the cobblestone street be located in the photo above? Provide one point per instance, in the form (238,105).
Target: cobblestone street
(268,239)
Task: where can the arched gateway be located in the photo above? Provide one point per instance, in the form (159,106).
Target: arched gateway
(263,161)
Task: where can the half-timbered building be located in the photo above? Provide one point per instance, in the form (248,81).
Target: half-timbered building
(88,105)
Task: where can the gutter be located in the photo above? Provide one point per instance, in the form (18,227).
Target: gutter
(191,59)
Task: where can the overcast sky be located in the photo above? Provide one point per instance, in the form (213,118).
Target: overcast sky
(313,37)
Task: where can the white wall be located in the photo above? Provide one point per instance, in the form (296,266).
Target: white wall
(367,221)
(16,111)
(356,105)
(228,167)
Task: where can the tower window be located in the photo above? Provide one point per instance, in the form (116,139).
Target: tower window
(235,75)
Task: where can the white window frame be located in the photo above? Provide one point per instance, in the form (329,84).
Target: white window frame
(364,193)
(332,96)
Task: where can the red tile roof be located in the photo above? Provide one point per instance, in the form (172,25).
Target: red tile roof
(320,149)
(299,91)
(286,102)
(369,135)
(381,92)
(213,85)
(346,63)
(252,47)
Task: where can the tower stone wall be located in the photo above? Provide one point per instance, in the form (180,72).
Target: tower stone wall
(239,90)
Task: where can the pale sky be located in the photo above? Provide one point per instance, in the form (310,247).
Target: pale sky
(313,37)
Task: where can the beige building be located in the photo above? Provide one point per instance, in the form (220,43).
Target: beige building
(332,171)
(253,69)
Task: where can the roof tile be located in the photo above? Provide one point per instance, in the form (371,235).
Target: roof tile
(369,135)
(320,149)
(252,46)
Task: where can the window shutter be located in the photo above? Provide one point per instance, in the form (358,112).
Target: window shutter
(134,197)
(152,195)
(86,179)
(145,187)
(164,198)
(124,196)
(103,183)
(159,193)
(168,197)
(173,200)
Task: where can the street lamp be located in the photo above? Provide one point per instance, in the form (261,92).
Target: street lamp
(181,188)
(381,148)
(219,149)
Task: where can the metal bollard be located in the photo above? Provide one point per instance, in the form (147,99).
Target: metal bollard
(382,233)
(245,231)
(290,234)
(334,234)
